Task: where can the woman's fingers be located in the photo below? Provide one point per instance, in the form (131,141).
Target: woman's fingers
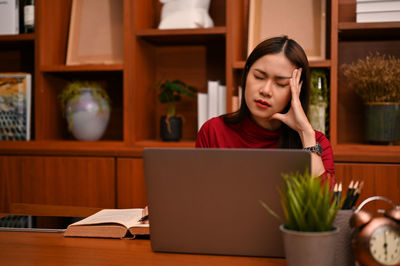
(295,83)
(281,117)
(295,115)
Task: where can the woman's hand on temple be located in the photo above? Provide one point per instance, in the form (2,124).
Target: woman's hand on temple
(295,118)
(298,121)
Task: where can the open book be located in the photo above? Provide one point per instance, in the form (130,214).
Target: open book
(110,223)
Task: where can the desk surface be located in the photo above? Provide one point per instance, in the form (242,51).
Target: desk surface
(40,248)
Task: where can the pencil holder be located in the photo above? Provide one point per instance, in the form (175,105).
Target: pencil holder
(343,252)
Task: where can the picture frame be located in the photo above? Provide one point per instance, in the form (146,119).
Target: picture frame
(95,37)
(15,109)
(301,20)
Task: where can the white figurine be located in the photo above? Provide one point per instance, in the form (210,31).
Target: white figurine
(181,14)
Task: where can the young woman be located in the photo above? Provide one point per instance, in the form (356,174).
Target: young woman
(276,85)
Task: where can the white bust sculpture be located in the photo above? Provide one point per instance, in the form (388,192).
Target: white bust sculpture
(181,14)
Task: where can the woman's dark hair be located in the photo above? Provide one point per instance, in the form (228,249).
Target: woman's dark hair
(293,51)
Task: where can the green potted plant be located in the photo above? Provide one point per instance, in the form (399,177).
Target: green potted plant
(376,79)
(87,107)
(170,93)
(307,228)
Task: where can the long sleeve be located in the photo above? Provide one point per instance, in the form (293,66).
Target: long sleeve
(327,153)
(215,133)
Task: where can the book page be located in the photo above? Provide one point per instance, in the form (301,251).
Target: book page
(125,217)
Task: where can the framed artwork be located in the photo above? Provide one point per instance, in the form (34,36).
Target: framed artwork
(15,106)
(301,20)
(95,32)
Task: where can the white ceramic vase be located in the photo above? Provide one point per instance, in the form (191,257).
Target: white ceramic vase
(87,115)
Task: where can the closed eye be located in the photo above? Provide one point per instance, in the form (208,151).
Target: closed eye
(282,84)
(259,77)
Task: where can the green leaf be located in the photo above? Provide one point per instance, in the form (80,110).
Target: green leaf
(270,211)
(170,92)
(306,203)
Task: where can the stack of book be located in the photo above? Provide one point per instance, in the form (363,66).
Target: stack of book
(378,10)
(212,103)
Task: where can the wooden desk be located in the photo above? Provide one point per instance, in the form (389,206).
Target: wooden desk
(39,248)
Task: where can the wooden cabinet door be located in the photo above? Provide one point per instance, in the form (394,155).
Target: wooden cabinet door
(130,184)
(379,180)
(52,180)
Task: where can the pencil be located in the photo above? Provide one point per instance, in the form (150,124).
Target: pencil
(354,199)
(339,193)
(348,193)
(352,195)
(355,187)
(143,219)
(335,193)
(357,194)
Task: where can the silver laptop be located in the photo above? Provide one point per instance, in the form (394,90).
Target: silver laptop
(207,201)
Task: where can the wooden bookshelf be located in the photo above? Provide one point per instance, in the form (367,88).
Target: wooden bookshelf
(354,41)
(192,55)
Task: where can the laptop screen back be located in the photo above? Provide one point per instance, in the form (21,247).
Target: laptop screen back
(208,200)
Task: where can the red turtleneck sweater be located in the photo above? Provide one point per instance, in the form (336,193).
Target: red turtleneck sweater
(215,133)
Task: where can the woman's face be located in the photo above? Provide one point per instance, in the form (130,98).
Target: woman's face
(268,88)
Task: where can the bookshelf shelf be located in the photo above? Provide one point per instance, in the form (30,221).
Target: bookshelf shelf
(158,143)
(182,37)
(82,68)
(238,65)
(320,63)
(343,26)
(58,147)
(354,152)
(17,37)
(77,148)
(369,31)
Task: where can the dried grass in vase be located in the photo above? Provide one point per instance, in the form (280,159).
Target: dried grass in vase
(376,78)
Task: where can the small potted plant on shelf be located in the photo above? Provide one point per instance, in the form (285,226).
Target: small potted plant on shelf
(87,107)
(170,93)
(376,79)
(309,211)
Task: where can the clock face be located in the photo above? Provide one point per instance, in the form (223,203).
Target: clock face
(384,245)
